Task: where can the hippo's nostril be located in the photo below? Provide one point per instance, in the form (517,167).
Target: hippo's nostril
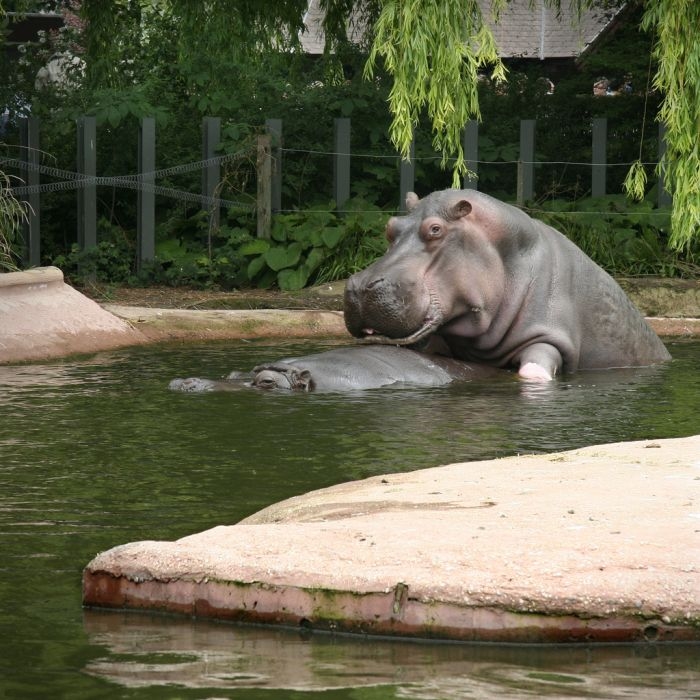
(375,283)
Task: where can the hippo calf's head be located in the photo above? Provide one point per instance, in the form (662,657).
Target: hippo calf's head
(281,375)
(442,264)
(191,384)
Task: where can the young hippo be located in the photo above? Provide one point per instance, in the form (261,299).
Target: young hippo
(198,385)
(346,369)
(364,367)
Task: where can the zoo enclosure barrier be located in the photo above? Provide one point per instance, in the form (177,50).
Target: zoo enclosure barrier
(269,168)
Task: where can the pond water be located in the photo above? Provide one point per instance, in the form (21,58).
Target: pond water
(96,452)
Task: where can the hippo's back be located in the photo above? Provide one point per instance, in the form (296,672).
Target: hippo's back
(369,367)
(612,331)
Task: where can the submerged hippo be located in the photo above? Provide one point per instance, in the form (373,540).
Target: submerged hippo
(364,367)
(198,385)
(346,369)
(497,287)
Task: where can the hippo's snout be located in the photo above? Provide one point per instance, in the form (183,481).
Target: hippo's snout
(191,384)
(379,282)
(352,307)
(378,305)
(371,307)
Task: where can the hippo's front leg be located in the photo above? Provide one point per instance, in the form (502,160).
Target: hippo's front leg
(539,362)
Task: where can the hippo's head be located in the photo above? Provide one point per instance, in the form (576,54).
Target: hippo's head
(281,375)
(191,384)
(444,268)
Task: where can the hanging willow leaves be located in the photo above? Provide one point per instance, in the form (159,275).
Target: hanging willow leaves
(434,52)
(636,181)
(677,50)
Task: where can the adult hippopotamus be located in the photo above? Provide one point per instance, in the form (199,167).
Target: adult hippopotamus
(497,287)
(345,369)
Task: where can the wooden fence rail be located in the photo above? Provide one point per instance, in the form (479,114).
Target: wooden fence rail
(269,163)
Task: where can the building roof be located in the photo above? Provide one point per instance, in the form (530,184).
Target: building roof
(313,39)
(539,32)
(23,27)
(522,31)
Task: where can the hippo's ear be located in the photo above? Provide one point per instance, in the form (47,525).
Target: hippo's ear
(411,201)
(301,380)
(460,209)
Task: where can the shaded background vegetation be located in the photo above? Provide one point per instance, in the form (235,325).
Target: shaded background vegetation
(148,74)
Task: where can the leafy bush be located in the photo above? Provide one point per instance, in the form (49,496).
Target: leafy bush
(188,253)
(315,245)
(626,239)
(112,260)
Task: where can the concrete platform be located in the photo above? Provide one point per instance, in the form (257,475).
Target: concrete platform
(233,324)
(671,307)
(42,317)
(600,544)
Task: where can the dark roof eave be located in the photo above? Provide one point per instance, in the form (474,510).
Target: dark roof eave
(608,29)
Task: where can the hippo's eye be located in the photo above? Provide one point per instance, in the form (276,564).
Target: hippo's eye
(433,231)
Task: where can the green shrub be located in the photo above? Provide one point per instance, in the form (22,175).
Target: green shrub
(623,237)
(316,245)
(111,261)
(188,253)
(309,247)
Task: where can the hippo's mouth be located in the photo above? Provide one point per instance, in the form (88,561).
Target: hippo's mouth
(430,325)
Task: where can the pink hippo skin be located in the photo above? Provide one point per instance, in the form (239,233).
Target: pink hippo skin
(495,286)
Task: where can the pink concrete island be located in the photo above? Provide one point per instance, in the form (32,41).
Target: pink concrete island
(42,317)
(600,544)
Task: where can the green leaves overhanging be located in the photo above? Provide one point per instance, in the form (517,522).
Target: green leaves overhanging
(434,51)
(677,49)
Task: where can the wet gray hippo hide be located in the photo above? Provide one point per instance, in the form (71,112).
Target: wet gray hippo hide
(497,287)
(199,385)
(364,367)
(347,369)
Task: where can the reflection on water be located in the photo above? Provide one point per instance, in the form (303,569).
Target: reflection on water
(96,452)
(145,650)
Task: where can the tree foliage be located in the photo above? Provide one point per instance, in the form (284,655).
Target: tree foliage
(677,50)
(202,32)
(433,50)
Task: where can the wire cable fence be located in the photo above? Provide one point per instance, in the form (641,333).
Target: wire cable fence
(268,162)
(69,180)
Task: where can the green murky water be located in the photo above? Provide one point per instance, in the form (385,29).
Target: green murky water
(96,452)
